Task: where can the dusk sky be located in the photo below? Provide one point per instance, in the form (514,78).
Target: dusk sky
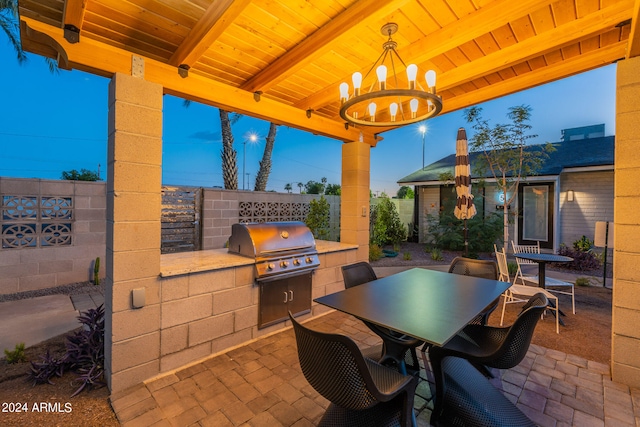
(58,122)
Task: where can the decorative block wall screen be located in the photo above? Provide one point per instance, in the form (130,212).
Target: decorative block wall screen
(272,211)
(36,221)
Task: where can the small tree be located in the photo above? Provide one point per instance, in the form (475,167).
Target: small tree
(318,218)
(83,175)
(386,227)
(288,187)
(313,187)
(300,185)
(405,192)
(504,153)
(333,190)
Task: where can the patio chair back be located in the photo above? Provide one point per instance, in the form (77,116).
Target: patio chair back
(503,266)
(485,269)
(524,249)
(335,368)
(357,274)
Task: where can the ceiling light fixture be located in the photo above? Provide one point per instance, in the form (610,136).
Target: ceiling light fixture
(389,106)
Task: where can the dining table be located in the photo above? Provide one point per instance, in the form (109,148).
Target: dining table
(429,305)
(542,259)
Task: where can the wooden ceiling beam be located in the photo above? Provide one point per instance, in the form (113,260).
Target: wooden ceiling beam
(569,33)
(560,70)
(73,14)
(99,58)
(481,22)
(216,19)
(320,42)
(633,49)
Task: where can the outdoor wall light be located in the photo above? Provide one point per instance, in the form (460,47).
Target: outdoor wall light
(183,70)
(570,196)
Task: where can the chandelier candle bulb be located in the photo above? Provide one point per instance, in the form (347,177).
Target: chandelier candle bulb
(357,83)
(381,71)
(430,77)
(372,111)
(344,92)
(393,110)
(413,104)
(412,73)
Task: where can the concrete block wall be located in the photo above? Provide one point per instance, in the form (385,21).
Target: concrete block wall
(203,313)
(33,268)
(221,210)
(625,345)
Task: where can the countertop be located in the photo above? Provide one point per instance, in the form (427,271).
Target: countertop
(218,259)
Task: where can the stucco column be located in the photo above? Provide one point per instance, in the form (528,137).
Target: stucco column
(132,336)
(354,209)
(626,256)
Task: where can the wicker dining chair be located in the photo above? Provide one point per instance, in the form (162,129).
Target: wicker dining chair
(361,391)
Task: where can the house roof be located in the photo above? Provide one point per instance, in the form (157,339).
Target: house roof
(283,61)
(570,154)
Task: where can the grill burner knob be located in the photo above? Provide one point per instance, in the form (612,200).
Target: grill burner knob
(296,261)
(309,260)
(284,264)
(270,266)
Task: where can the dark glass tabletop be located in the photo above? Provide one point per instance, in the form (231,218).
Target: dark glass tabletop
(426,304)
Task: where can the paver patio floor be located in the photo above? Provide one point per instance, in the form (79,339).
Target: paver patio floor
(261,384)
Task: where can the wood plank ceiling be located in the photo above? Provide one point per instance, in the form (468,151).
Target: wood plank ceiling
(296,52)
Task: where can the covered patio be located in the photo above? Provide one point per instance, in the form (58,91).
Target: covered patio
(283,62)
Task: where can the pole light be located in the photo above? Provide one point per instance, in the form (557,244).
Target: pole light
(252,137)
(423,130)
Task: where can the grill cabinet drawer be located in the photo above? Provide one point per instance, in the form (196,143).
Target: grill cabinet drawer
(277,297)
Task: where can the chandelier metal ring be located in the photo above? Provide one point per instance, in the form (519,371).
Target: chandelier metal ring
(392,93)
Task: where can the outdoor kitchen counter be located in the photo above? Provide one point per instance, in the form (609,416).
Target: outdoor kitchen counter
(218,259)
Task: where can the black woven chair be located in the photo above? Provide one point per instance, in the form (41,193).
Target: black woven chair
(485,269)
(361,391)
(397,347)
(470,400)
(495,347)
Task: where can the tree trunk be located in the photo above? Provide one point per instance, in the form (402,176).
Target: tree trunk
(265,163)
(229,155)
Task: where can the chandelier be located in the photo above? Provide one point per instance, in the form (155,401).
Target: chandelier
(384,105)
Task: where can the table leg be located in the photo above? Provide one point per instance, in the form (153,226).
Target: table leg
(541,277)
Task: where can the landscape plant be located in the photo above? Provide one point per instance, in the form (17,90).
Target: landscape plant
(16,355)
(318,219)
(584,258)
(375,252)
(386,228)
(84,355)
(96,272)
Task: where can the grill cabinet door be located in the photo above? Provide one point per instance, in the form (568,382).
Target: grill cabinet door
(277,297)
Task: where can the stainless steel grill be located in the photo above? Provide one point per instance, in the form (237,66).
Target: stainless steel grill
(286,256)
(280,249)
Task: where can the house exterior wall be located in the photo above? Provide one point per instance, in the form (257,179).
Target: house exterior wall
(593,201)
(53,262)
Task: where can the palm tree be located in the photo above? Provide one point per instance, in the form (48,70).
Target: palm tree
(229,155)
(265,164)
(288,187)
(9,25)
(300,185)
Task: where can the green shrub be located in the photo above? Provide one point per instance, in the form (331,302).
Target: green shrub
(406,256)
(318,218)
(447,231)
(16,355)
(385,226)
(583,244)
(375,252)
(436,254)
(583,281)
(512,267)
